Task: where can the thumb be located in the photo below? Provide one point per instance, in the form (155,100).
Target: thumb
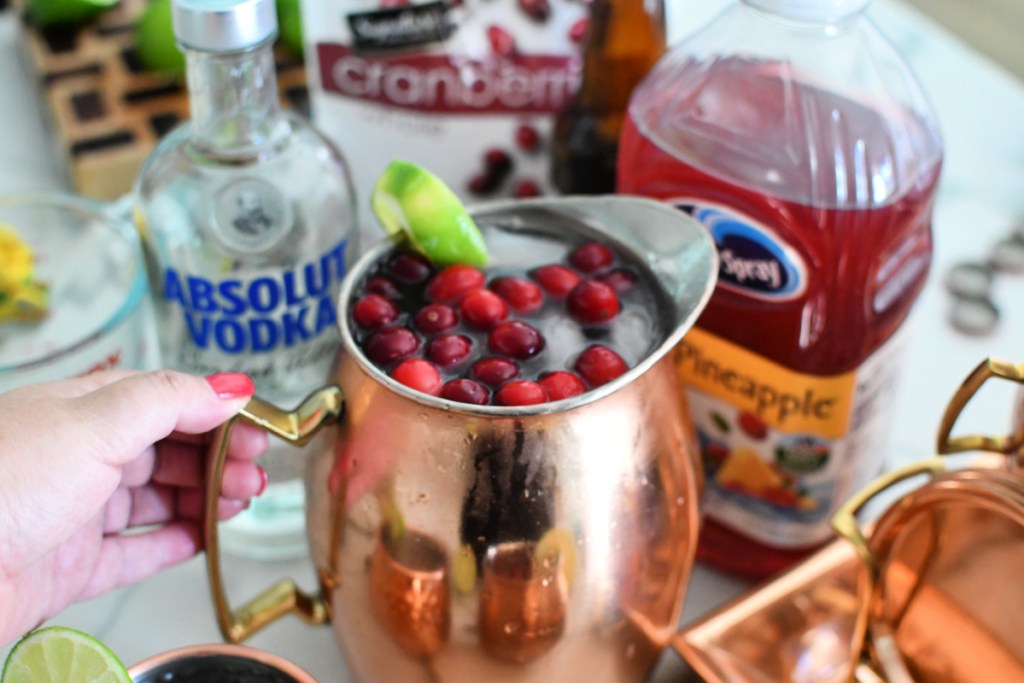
(141,409)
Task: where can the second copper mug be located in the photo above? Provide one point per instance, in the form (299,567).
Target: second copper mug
(462,543)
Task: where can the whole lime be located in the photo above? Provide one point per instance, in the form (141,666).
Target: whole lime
(289,21)
(155,45)
(44,13)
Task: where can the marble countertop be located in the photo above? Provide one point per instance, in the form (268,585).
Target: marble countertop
(980,108)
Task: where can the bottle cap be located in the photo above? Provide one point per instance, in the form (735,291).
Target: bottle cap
(223,25)
(811,10)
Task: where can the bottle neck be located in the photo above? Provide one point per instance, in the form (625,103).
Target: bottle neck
(233,98)
(811,10)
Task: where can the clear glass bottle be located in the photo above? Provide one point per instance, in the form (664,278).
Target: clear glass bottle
(248,220)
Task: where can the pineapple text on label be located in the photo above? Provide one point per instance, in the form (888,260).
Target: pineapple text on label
(263,313)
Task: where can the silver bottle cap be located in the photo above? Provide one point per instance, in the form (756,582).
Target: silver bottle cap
(223,25)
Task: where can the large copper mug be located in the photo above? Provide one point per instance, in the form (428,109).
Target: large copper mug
(465,543)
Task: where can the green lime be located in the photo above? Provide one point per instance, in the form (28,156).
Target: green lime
(62,655)
(155,45)
(289,23)
(69,12)
(557,548)
(410,199)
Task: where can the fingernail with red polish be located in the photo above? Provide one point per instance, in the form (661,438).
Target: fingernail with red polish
(229,385)
(264,480)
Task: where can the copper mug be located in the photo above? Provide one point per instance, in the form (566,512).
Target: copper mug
(460,543)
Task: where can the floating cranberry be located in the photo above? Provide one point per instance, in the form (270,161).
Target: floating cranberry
(383,286)
(389,4)
(522,296)
(516,339)
(502,43)
(372,311)
(389,344)
(520,392)
(538,10)
(556,280)
(526,188)
(497,162)
(418,374)
(482,309)
(752,425)
(466,391)
(409,267)
(592,302)
(434,318)
(483,183)
(453,283)
(561,384)
(591,257)
(494,371)
(448,349)
(527,138)
(599,365)
(620,279)
(578,30)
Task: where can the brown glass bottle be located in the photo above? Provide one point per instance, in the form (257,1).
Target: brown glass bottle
(624,39)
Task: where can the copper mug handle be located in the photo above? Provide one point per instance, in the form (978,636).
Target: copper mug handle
(987,369)
(324,407)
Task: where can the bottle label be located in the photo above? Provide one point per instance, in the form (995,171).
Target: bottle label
(782,449)
(270,323)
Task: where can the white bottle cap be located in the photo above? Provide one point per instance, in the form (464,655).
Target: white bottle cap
(811,10)
(223,25)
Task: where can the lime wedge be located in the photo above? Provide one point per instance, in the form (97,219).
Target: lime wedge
(62,655)
(410,200)
(69,12)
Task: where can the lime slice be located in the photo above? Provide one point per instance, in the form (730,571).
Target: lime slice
(62,655)
(155,45)
(69,12)
(410,199)
(557,547)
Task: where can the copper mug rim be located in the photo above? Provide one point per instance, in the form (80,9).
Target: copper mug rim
(225,650)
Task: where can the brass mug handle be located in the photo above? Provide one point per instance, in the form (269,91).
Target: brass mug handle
(323,407)
(990,367)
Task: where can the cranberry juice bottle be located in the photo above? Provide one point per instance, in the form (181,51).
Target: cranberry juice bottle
(812,158)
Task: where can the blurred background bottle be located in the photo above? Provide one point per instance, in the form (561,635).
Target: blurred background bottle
(622,41)
(795,132)
(248,221)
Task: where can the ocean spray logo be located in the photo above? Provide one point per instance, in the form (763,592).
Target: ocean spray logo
(260,314)
(752,258)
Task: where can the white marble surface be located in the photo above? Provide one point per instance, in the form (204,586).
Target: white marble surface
(982,192)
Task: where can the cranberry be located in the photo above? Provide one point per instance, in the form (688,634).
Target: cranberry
(383,286)
(599,365)
(448,349)
(409,267)
(453,283)
(502,43)
(578,30)
(522,296)
(561,384)
(498,163)
(619,279)
(516,339)
(494,371)
(526,188)
(418,374)
(434,318)
(520,392)
(373,310)
(483,183)
(557,280)
(388,4)
(389,344)
(592,302)
(482,309)
(527,138)
(466,391)
(538,10)
(591,257)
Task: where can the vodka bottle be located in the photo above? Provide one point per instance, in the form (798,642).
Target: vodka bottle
(248,220)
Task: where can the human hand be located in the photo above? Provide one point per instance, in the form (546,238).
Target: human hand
(87,463)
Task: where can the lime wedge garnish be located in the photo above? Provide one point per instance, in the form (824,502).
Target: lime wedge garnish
(62,655)
(70,12)
(411,201)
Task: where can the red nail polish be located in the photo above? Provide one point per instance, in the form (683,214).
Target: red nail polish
(264,480)
(231,385)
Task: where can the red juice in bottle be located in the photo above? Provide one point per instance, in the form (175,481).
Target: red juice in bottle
(819,199)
